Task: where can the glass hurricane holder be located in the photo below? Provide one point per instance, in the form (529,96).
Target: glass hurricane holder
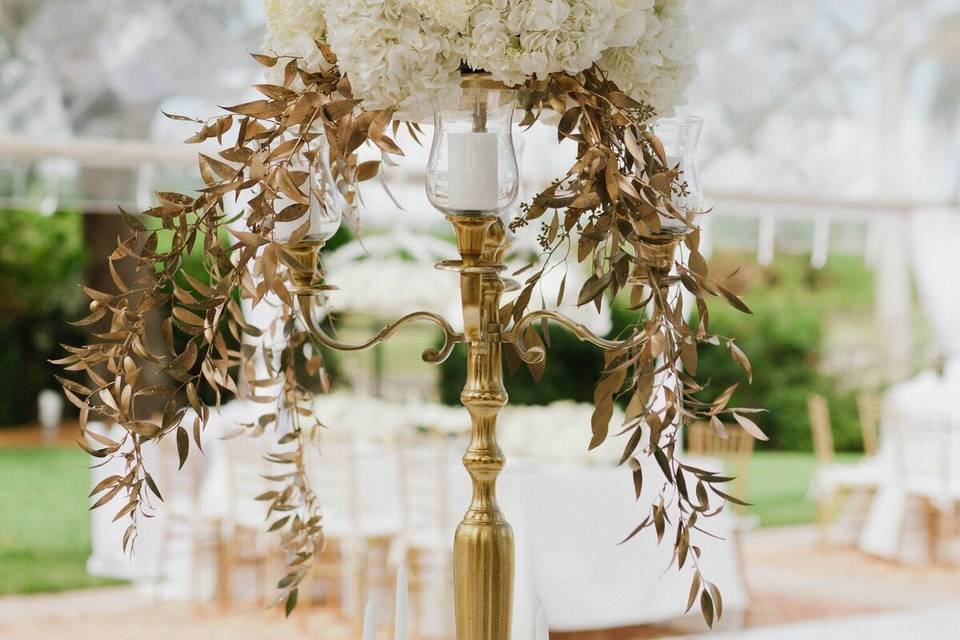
(325,209)
(679,136)
(472,168)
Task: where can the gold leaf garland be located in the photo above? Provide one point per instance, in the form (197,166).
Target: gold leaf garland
(607,208)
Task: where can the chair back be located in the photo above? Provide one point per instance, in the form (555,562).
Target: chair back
(923,443)
(246,468)
(736,451)
(334,471)
(869,407)
(820,428)
(425,462)
(180,487)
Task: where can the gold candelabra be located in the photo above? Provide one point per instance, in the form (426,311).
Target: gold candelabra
(483,544)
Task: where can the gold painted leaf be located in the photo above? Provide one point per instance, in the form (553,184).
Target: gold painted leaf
(265,60)
(706,607)
(185,315)
(291,602)
(750,427)
(252,240)
(368,170)
(637,476)
(593,288)
(741,359)
(183,445)
(126,509)
(257,109)
(694,591)
(736,302)
(657,147)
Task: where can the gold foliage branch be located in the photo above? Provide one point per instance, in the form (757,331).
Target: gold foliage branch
(606,208)
(209,344)
(609,208)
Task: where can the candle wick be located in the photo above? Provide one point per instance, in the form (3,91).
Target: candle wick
(480,117)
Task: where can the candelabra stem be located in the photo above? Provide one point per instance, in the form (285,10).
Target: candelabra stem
(483,546)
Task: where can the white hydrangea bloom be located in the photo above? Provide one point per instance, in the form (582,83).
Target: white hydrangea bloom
(452,14)
(631,21)
(393,55)
(517,39)
(293,29)
(403,53)
(660,66)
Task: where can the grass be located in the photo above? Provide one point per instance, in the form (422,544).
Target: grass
(779,487)
(44,522)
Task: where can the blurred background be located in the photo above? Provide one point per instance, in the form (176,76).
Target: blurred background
(830,156)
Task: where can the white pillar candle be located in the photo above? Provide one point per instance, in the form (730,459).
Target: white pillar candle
(401,625)
(369,622)
(473,171)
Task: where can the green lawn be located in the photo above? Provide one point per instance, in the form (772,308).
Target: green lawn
(779,485)
(44,522)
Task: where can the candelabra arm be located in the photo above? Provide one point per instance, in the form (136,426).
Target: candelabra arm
(536,354)
(432,354)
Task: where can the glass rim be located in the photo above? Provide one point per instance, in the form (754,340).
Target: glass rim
(677,120)
(484,80)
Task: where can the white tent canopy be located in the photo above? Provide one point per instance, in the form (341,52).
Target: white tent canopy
(853,127)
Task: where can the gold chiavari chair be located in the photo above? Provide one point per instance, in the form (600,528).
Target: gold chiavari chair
(735,450)
(352,537)
(185,528)
(869,407)
(835,483)
(247,543)
(428,516)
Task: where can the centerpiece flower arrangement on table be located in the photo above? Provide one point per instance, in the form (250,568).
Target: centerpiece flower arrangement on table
(348,73)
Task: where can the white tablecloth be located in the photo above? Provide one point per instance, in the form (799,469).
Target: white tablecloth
(568,523)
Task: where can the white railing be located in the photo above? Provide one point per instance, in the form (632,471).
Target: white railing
(98,153)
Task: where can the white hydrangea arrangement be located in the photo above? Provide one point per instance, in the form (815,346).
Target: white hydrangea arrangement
(403,53)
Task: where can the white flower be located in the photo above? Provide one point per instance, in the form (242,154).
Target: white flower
(631,22)
(293,29)
(537,15)
(660,66)
(394,55)
(405,54)
(451,14)
(517,39)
